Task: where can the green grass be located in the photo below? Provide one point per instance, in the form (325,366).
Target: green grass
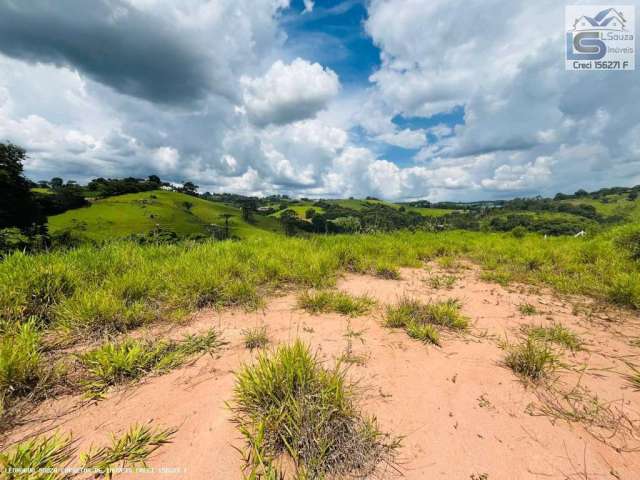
(116,363)
(45,458)
(421,320)
(557,334)
(410,311)
(325,301)
(136,213)
(36,456)
(288,405)
(424,332)
(530,359)
(256,337)
(527,309)
(441,281)
(22,366)
(89,291)
(130,450)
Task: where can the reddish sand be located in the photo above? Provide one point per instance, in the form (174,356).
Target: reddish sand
(460,411)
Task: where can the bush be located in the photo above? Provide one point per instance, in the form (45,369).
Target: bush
(519,232)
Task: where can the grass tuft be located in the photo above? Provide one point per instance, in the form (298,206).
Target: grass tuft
(131,450)
(22,367)
(287,405)
(420,320)
(557,333)
(424,332)
(441,281)
(531,359)
(255,337)
(115,363)
(36,456)
(325,301)
(527,309)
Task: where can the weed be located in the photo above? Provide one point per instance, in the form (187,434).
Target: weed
(130,450)
(325,301)
(288,404)
(530,359)
(36,456)
(255,337)
(557,333)
(527,309)
(410,310)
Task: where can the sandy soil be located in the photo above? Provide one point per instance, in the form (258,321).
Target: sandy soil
(461,412)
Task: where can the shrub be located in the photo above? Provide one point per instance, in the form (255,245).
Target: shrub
(288,404)
(519,232)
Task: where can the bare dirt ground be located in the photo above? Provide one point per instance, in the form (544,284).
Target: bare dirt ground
(462,413)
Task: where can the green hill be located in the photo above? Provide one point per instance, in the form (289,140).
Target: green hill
(133,213)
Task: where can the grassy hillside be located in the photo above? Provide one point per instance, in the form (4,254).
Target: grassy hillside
(124,215)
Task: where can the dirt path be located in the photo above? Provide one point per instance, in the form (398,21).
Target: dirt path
(461,412)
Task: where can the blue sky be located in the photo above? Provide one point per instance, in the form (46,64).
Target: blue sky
(399,99)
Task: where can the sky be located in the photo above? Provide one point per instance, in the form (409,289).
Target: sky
(398,99)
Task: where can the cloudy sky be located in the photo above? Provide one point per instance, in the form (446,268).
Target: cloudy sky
(401,99)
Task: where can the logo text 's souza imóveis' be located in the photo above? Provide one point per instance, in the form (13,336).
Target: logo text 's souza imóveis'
(600,37)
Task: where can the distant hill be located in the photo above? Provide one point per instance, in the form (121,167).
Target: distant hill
(135,213)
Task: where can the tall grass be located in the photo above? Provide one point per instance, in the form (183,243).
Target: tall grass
(288,405)
(119,286)
(22,367)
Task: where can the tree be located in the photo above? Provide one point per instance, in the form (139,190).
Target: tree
(226,217)
(288,220)
(154,179)
(309,213)
(190,188)
(56,182)
(248,206)
(18,207)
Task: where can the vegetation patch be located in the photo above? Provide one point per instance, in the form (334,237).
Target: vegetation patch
(256,337)
(531,359)
(527,309)
(325,301)
(421,320)
(441,281)
(130,450)
(115,363)
(557,334)
(291,409)
(47,457)
(23,370)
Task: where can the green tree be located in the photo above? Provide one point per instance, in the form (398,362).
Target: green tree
(18,207)
(288,220)
(56,182)
(309,213)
